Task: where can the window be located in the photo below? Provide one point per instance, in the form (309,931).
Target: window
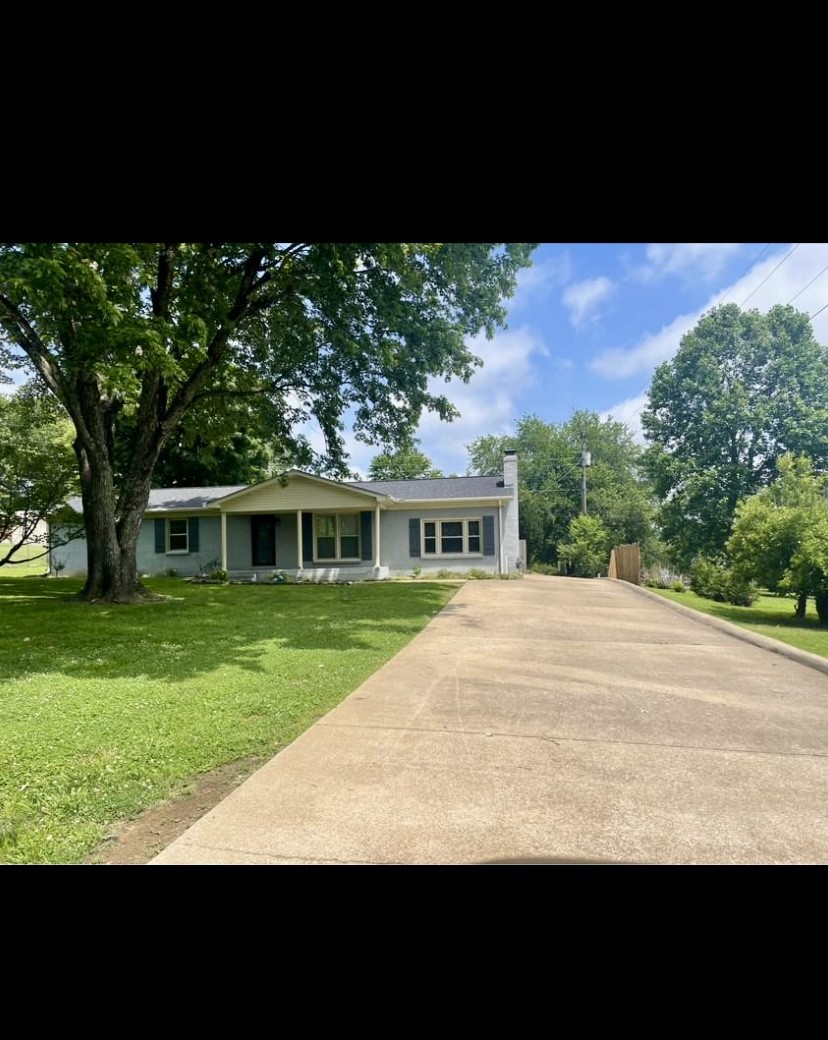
(451,538)
(176,536)
(177,541)
(336,536)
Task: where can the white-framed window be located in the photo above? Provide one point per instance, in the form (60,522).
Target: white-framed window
(177,536)
(336,536)
(452,537)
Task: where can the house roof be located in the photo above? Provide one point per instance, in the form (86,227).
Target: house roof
(448,488)
(431,490)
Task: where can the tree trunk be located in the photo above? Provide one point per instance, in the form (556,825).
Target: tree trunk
(821,599)
(801,605)
(111,535)
(112,573)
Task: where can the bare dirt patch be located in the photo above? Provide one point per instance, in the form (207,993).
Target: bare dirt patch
(140,840)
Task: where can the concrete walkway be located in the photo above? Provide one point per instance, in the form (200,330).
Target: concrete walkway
(548,720)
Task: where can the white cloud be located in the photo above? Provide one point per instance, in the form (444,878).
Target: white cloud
(583,298)
(539,279)
(619,363)
(764,286)
(629,413)
(690,260)
(488,403)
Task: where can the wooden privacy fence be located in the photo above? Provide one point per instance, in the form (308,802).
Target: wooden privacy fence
(625,563)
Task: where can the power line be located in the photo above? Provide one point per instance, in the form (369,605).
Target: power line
(773,272)
(821,309)
(742,275)
(804,287)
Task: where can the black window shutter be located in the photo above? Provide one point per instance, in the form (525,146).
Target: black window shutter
(160,536)
(414,537)
(365,531)
(307,537)
(192,533)
(488,536)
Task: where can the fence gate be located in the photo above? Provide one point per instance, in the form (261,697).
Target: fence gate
(625,563)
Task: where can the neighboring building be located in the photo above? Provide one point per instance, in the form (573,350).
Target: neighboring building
(315,529)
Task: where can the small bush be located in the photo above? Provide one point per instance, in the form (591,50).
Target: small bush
(477,574)
(677,586)
(170,572)
(544,568)
(712,579)
(217,574)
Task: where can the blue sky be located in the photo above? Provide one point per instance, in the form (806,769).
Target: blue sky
(589,323)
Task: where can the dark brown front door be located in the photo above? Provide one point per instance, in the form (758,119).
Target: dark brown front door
(263,530)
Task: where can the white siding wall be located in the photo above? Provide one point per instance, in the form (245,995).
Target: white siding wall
(395,546)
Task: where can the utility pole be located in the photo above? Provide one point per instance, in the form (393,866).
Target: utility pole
(586,460)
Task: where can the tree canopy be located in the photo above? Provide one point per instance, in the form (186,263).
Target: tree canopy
(37,473)
(743,389)
(406,463)
(130,337)
(549,477)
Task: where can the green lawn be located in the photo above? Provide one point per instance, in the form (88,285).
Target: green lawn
(770,616)
(106,711)
(27,567)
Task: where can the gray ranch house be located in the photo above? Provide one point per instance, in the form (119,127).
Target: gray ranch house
(315,529)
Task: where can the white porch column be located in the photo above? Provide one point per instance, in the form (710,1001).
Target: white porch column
(299,550)
(377,553)
(223,540)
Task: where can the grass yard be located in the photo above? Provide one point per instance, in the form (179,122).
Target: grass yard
(769,616)
(27,566)
(106,711)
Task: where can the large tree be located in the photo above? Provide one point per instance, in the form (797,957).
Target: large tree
(550,479)
(129,337)
(742,389)
(37,475)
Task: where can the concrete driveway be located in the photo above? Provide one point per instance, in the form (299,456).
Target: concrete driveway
(552,720)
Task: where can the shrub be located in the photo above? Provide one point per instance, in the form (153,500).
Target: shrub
(217,574)
(539,567)
(677,586)
(712,579)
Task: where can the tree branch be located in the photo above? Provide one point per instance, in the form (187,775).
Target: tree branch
(38,353)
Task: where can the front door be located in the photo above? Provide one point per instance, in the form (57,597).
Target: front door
(263,530)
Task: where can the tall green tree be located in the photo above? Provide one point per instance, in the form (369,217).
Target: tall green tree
(550,475)
(780,535)
(406,463)
(743,389)
(147,331)
(37,475)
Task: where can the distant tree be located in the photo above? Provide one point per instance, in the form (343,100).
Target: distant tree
(407,463)
(743,389)
(37,476)
(587,551)
(780,535)
(549,477)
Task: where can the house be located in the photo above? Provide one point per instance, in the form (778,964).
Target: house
(315,529)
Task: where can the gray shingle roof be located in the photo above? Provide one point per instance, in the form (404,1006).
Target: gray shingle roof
(440,487)
(403,490)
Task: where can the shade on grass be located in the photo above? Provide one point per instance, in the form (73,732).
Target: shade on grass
(770,616)
(107,710)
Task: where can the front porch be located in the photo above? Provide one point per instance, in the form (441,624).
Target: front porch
(302,545)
